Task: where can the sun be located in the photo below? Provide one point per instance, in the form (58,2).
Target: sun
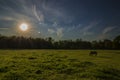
(23,27)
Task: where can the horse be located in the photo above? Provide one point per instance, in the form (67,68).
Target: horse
(93,53)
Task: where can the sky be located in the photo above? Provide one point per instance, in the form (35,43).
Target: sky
(61,19)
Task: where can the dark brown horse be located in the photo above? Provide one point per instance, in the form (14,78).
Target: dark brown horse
(93,53)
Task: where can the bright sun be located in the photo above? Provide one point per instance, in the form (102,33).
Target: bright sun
(23,27)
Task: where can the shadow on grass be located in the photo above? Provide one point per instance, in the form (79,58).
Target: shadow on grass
(13,76)
(107,74)
(55,66)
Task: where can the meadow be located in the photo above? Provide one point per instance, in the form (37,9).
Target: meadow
(59,65)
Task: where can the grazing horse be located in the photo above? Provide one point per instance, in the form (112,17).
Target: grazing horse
(93,53)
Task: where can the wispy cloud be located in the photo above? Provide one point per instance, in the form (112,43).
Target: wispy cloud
(105,32)
(4,28)
(60,32)
(38,14)
(16,11)
(57,31)
(87,33)
(55,24)
(90,26)
(108,29)
(56,12)
(86,29)
(6,18)
(74,27)
(51,31)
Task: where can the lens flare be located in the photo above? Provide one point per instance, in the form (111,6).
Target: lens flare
(23,27)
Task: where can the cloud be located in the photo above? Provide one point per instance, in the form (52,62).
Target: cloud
(55,24)
(86,30)
(7,18)
(38,14)
(4,28)
(90,26)
(59,32)
(87,33)
(105,32)
(74,27)
(51,31)
(17,12)
(55,12)
(108,29)
(24,10)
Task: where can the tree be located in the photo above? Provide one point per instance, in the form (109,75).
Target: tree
(107,44)
(116,42)
(20,42)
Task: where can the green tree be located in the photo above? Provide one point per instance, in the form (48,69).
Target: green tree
(116,42)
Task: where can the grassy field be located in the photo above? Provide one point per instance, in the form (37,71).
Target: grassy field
(59,65)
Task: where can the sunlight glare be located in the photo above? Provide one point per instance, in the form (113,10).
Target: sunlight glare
(24,27)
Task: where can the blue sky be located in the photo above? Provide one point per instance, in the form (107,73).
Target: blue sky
(61,19)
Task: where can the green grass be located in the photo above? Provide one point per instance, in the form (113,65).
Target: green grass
(59,65)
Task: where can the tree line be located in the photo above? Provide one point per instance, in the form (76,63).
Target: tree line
(20,42)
